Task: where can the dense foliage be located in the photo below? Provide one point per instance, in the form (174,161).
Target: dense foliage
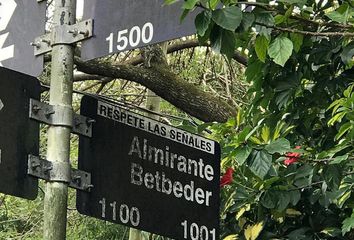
(300,70)
(288,152)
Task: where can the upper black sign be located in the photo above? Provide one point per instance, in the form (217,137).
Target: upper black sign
(129,24)
(20,23)
(19,136)
(149,175)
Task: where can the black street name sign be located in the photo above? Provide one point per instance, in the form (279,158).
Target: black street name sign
(19,136)
(20,23)
(129,24)
(149,175)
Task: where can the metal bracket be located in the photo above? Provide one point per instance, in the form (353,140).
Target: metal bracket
(80,180)
(60,116)
(52,115)
(64,34)
(58,172)
(42,44)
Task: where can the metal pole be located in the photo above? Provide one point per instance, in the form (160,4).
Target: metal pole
(152,103)
(61,88)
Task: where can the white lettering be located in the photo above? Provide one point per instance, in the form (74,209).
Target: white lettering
(161,183)
(121,115)
(131,38)
(135,147)
(135,173)
(196,232)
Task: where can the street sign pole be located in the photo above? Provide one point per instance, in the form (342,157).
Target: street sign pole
(61,88)
(152,103)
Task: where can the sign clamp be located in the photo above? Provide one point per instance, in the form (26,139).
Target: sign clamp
(58,172)
(60,116)
(64,34)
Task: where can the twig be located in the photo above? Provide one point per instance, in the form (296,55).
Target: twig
(324,34)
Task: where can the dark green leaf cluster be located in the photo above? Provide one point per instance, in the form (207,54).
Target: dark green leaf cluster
(300,71)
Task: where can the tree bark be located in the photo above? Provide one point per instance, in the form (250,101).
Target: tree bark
(165,84)
(188,44)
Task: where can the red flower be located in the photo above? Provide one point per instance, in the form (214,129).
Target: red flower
(292,157)
(227,178)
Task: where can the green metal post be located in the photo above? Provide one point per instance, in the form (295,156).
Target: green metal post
(61,89)
(152,103)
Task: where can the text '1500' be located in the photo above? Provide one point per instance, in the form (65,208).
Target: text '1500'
(130,38)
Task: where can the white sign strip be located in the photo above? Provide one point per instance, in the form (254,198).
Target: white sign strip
(7,9)
(121,115)
(5,52)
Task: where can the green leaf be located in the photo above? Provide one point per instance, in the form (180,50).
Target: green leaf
(324,200)
(341,14)
(289,12)
(281,146)
(280,50)
(254,129)
(348,224)
(343,130)
(333,176)
(304,176)
(283,200)
(265,133)
(343,198)
(228,18)
(213,3)
(253,71)
(184,15)
(339,159)
(348,92)
(336,118)
(207,35)
(261,162)
(202,22)
(270,199)
(242,154)
(330,153)
(332,231)
(261,47)
(278,19)
(243,134)
(283,98)
(348,53)
(189,4)
(267,19)
(297,40)
(223,41)
(247,21)
(268,183)
(295,197)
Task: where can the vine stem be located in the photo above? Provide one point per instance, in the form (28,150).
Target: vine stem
(324,34)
